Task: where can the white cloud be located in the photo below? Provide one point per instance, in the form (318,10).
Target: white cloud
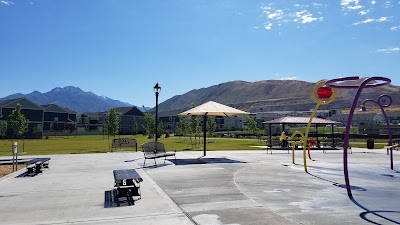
(355,7)
(364,12)
(305,17)
(389,50)
(388,4)
(369,20)
(288,78)
(276,15)
(395,28)
(5,2)
(256,27)
(298,13)
(373,2)
(268,26)
(351,4)
(382,19)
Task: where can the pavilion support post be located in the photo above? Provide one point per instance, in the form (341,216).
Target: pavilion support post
(316,134)
(270,134)
(333,136)
(205,132)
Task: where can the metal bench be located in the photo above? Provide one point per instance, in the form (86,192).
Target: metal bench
(154,150)
(126,184)
(124,142)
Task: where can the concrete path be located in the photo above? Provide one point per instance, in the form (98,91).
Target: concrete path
(224,188)
(252,187)
(73,192)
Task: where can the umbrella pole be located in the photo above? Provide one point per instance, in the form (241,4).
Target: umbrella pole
(205,132)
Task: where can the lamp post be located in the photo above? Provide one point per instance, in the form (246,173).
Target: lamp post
(157,90)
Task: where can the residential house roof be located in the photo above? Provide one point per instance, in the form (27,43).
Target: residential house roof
(92,114)
(169,113)
(132,111)
(53,108)
(25,103)
(69,111)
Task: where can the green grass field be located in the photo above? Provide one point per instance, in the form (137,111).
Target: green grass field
(100,144)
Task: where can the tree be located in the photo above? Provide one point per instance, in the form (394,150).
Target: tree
(160,129)
(70,127)
(3,128)
(150,126)
(252,124)
(211,126)
(17,121)
(179,129)
(194,128)
(135,128)
(104,130)
(37,130)
(113,126)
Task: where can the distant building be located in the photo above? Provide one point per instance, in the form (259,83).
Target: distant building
(128,117)
(31,111)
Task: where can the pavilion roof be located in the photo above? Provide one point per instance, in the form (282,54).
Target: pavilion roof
(300,120)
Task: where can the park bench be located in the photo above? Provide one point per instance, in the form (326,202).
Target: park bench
(124,142)
(154,150)
(126,184)
(36,165)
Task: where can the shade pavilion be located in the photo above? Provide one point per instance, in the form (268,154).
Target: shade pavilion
(211,108)
(301,120)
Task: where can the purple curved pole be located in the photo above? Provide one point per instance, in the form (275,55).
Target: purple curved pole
(365,83)
(387,124)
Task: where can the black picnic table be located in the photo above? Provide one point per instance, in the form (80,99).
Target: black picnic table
(127,184)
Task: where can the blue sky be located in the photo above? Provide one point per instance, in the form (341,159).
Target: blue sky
(120,49)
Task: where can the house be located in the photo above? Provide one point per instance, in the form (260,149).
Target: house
(31,111)
(54,118)
(170,119)
(129,117)
(72,120)
(91,122)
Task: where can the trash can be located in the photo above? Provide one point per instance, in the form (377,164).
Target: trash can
(370,143)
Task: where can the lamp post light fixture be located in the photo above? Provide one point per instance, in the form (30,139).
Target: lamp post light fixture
(157,90)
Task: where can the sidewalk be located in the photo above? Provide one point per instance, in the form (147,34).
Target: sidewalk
(73,192)
(224,188)
(253,187)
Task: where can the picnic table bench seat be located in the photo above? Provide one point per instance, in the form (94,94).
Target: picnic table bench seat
(36,165)
(154,150)
(126,184)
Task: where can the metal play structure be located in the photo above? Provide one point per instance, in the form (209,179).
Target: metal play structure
(383,101)
(323,95)
(301,141)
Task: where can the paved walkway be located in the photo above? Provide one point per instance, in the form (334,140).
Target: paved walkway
(226,187)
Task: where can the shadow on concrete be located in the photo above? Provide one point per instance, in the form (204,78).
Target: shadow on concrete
(354,188)
(155,166)
(133,160)
(25,174)
(110,201)
(183,162)
(363,215)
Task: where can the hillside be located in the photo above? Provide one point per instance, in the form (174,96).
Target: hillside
(73,98)
(270,95)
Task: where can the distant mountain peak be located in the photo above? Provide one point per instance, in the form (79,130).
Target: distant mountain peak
(73,98)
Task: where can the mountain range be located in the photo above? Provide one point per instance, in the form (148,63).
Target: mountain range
(73,98)
(261,96)
(272,95)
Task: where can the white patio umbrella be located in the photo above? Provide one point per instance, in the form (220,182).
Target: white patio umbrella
(211,109)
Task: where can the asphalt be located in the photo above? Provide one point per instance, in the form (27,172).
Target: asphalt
(225,187)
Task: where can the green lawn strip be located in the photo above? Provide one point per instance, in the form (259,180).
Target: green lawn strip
(99,144)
